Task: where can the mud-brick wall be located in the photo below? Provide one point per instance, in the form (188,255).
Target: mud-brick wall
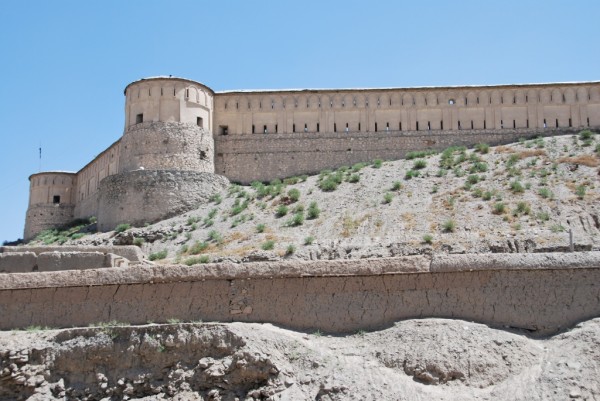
(41,217)
(245,158)
(540,292)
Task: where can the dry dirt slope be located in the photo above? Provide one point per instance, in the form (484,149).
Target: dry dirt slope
(431,359)
(523,197)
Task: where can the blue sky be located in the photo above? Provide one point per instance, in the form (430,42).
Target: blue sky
(64,64)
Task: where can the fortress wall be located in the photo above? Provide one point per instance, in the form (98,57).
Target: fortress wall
(89,177)
(412,109)
(245,158)
(540,292)
(146,196)
(42,217)
(167,146)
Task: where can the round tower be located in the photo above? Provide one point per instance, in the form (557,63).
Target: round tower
(168,125)
(166,160)
(51,201)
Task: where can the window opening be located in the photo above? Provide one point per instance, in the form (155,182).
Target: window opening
(293,127)
(484,124)
(276,128)
(514,124)
(466,101)
(441,124)
(56,199)
(161,91)
(459,124)
(570,123)
(428,126)
(563,97)
(318,127)
(305,127)
(264,129)
(477,99)
(387,126)
(139,118)
(200,122)
(334,127)
(451,101)
(375,127)
(253,128)
(400,126)
(588,121)
(272,104)
(417,126)
(347,128)
(471,124)
(514,99)
(557,123)
(359,126)
(501,124)
(527,123)
(187,95)
(545,123)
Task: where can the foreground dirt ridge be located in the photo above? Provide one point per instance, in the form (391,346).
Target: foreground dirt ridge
(429,359)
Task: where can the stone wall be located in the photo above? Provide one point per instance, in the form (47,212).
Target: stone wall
(167,146)
(147,196)
(543,293)
(245,158)
(42,217)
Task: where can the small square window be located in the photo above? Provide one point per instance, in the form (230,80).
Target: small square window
(139,118)
(200,122)
(56,199)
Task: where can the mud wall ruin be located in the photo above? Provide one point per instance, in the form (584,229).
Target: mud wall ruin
(543,293)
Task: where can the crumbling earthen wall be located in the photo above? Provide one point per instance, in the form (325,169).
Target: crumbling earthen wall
(543,293)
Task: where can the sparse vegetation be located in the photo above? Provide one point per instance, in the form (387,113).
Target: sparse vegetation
(290,249)
(215,236)
(137,241)
(313,211)
(294,194)
(516,187)
(377,163)
(419,164)
(309,240)
(387,197)
(580,191)
(198,247)
(281,211)
(158,255)
(449,226)
(499,208)
(260,228)
(354,178)
(482,148)
(268,245)
(419,154)
(296,220)
(122,227)
(411,174)
(428,238)
(545,193)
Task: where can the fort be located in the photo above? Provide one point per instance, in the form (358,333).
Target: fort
(183,142)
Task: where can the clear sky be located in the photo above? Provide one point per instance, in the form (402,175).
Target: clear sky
(64,64)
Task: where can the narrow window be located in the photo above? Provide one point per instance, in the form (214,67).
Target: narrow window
(260,105)
(200,122)
(359,125)
(466,101)
(557,123)
(305,127)
(570,123)
(161,91)
(264,129)
(501,124)
(334,127)
(514,124)
(318,127)
(276,128)
(477,99)
(272,104)
(588,121)
(459,125)
(253,128)
(375,127)
(347,128)
(545,123)
(293,127)
(417,126)
(484,124)
(526,99)
(502,99)
(428,126)
(149,93)
(471,124)
(400,126)
(387,126)
(139,118)
(514,99)
(563,96)
(237,105)
(187,94)
(527,123)
(56,199)
(441,124)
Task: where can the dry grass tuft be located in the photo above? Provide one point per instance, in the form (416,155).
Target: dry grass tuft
(504,149)
(531,153)
(585,160)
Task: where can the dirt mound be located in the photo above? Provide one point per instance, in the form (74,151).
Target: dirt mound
(414,360)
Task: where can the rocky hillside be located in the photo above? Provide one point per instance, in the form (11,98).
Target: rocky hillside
(523,197)
(432,359)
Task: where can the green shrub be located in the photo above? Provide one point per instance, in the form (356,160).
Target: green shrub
(434,189)
(138,241)
(419,164)
(449,226)
(313,211)
(516,187)
(281,210)
(297,220)
(428,238)
(473,179)
(216,198)
(198,247)
(358,166)
(238,207)
(580,191)
(328,184)
(411,174)
(77,235)
(585,134)
(419,153)
(545,193)
(260,228)
(354,178)
(290,249)
(478,167)
(208,222)
(197,260)
(215,236)
(294,194)
(522,208)
(499,207)
(487,195)
(387,197)
(543,216)
(482,148)
(122,227)
(309,240)
(191,220)
(512,160)
(158,255)
(212,213)
(477,192)
(291,181)
(396,186)
(377,163)
(268,245)
(557,228)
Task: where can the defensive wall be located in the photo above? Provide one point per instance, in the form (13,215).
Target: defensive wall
(542,293)
(179,124)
